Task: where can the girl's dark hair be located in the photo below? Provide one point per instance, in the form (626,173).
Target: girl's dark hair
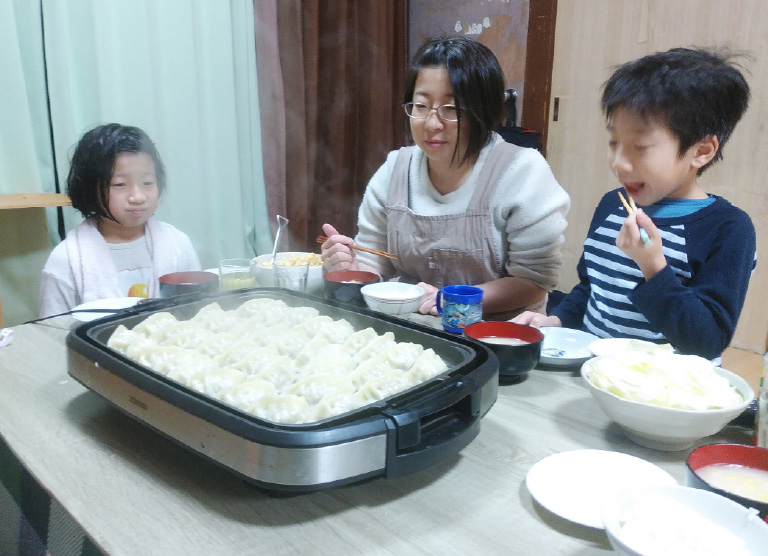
(478,86)
(93,162)
(695,92)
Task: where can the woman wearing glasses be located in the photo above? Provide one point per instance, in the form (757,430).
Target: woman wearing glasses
(461,206)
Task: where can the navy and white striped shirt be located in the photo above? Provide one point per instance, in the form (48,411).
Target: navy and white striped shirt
(694,303)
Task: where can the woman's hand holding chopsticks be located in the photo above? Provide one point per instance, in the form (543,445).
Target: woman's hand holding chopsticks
(639,238)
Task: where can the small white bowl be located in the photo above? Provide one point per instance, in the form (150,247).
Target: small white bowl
(666,428)
(265,277)
(697,521)
(392,298)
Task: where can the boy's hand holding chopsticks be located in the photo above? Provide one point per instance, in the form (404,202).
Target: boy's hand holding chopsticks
(632,207)
(646,250)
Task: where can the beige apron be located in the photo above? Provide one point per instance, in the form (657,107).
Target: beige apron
(447,249)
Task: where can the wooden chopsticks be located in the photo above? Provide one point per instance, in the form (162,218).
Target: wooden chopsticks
(632,207)
(323,239)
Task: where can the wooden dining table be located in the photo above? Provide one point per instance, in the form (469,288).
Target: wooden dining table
(88,479)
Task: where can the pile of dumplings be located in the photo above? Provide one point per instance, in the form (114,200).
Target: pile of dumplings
(284,364)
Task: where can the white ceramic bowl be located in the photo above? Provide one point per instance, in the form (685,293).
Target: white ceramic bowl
(683,520)
(666,428)
(265,278)
(392,298)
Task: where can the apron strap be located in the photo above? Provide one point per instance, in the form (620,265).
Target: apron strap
(495,165)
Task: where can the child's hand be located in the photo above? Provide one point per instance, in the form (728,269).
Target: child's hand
(650,257)
(336,252)
(532,318)
(427,306)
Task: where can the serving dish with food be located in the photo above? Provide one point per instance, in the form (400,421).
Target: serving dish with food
(292,392)
(664,400)
(262,268)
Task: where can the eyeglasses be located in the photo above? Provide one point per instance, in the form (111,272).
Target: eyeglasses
(418,111)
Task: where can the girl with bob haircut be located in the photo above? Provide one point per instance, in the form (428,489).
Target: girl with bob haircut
(115,180)
(460,206)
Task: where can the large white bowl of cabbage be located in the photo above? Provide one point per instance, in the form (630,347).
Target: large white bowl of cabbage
(664,400)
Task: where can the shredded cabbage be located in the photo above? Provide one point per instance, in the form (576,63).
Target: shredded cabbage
(663,378)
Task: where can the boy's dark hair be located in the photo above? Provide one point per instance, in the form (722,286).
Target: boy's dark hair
(477,81)
(696,92)
(93,162)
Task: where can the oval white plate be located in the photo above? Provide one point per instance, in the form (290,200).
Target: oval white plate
(574,484)
(111,303)
(565,346)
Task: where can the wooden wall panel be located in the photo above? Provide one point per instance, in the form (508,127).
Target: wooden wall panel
(591,37)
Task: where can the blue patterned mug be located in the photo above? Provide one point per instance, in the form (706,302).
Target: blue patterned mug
(459,306)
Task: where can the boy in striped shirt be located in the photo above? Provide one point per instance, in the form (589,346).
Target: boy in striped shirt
(668,116)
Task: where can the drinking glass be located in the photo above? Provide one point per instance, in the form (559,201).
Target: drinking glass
(235,274)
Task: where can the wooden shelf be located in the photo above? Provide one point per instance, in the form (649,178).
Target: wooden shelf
(34,200)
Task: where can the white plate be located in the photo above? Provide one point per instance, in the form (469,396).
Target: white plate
(111,303)
(213,270)
(609,346)
(574,484)
(565,346)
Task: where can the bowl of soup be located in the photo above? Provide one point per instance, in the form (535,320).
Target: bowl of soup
(736,471)
(517,346)
(345,285)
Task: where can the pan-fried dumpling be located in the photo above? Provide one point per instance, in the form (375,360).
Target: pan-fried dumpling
(217,344)
(234,354)
(189,338)
(357,340)
(312,350)
(135,350)
(316,387)
(223,322)
(370,369)
(312,326)
(163,333)
(403,355)
(383,343)
(298,315)
(293,341)
(385,386)
(427,365)
(270,335)
(245,394)
(336,404)
(336,332)
(262,307)
(153,323)
(157,357)
(214,381)
(121,338)
(328,360)
(206,313)
(257,360)
(279,372)
(286,409)
(186,364)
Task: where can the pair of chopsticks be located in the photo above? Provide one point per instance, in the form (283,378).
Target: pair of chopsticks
(323,239)
(632,207)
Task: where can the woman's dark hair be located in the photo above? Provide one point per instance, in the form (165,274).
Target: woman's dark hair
(478,86)
(695,92)
(93,162)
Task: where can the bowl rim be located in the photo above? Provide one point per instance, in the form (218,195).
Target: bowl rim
(730,375)
(175,278)
(334,277)
(611,506)
(524,328)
